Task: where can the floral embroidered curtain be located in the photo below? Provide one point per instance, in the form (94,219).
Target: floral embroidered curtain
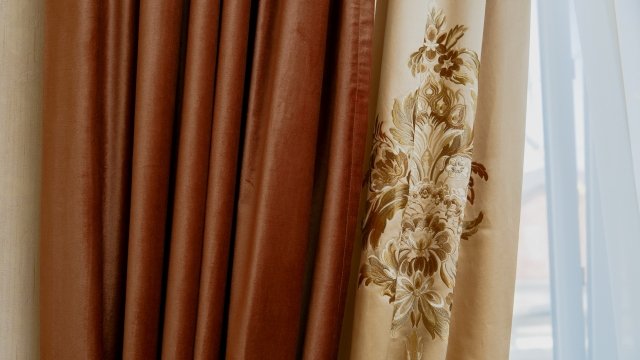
(436,273)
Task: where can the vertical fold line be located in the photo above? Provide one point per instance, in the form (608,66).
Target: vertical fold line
(556,67)
(229,97)
(157,77)
(118,34)
(192,170)
(277,179)
(346,114)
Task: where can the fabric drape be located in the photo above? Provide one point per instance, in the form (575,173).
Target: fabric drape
(612,125)
(483,302)
(202,165)
(21,31)
(436,275)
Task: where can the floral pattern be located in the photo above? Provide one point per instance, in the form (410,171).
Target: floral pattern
(421,177)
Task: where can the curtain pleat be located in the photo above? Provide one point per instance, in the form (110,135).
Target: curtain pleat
(117,46)
(268,259)
(158,61)
(483,301)
(190,195)
(345,144)
(183,142)
(223,165)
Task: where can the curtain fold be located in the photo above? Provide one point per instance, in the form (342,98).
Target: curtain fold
(483,300)
(220,196)
(612,116)
(184,145)
(437,270)
(344,143)
(157,97)
(191,179)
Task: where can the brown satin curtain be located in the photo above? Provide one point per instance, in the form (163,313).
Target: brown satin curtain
(202,167)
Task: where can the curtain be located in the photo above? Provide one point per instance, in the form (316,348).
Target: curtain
(612,166)
(21,31)
(442,198)
(202,167)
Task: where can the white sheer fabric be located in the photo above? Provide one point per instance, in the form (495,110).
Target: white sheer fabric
(608,32)
(605,73)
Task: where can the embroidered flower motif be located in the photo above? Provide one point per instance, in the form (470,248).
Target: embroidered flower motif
(457,166)
(453,208)
(421,181)
(388,169)
(426,190)
(428,246)
(415,301)
(448,63)
(431,43)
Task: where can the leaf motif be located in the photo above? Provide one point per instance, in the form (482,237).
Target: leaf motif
(415,62)
(435,320)
(462,78)
(470,227)
(470,59)
(449,149)
(448,275)
(436,17)
(440,19)
(401,115)
(391,256)
(454,34)
(468,73)
(380,274)
(381,211)
(471,194)
(452,148)
(479,169)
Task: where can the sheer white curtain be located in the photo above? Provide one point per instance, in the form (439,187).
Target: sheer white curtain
(609,61)
(611,53)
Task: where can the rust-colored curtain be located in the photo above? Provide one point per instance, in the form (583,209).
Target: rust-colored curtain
(202,166)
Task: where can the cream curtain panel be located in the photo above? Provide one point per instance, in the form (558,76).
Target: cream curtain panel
(20,112)
(442,201)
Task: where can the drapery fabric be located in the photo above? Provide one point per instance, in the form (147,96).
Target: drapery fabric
(608,40)
(202,166)
(21,31)
(436,274)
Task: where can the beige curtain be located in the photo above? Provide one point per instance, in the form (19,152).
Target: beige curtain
(20,109)
(441,209)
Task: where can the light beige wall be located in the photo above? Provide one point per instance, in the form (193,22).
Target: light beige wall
(21,34)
